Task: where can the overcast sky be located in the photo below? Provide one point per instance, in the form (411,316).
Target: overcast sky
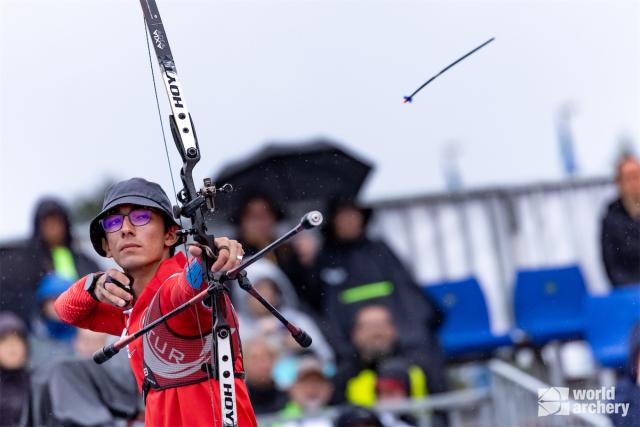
(77,102)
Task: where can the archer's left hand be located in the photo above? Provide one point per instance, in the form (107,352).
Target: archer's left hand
(230,254)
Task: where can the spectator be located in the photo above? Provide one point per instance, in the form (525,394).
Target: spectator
(77,392)
(312,389)
(621,227)
(628,387)
(74,390)
(51,248)
(354,271)
(393,384)
(375,337)
(309,394)
(52,339)
(259,359)
(257,220)
(306,246)
(256,320)
(14,376)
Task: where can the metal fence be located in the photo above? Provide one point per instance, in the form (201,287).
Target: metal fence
(511,400)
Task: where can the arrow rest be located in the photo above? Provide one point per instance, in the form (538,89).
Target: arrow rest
(206,195)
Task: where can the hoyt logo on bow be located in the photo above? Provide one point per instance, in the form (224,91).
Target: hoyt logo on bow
(228,405)
(174,89)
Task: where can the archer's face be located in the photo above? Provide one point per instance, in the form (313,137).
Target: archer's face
(134,247)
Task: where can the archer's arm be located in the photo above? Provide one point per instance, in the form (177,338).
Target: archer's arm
(179,289)
(76,307)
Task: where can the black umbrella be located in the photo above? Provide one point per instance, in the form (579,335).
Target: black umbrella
(309,172)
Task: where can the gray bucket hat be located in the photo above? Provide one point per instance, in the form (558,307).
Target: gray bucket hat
(134,191)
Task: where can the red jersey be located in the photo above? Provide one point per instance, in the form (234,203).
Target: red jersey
(187,405)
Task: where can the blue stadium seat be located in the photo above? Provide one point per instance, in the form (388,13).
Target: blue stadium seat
(466,329)
(609,321)
(549,303)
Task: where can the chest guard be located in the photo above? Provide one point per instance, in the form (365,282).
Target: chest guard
(173,360)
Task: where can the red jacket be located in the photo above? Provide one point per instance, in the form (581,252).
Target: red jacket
(188,405)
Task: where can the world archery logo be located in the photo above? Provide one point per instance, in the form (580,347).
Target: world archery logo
(553,401)
(158,38)
(556,401)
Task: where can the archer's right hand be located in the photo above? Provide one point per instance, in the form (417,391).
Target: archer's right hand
(110,293)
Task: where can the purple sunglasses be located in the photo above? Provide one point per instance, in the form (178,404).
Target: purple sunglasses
(137,217)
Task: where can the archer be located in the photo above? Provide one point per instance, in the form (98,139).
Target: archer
(172,364)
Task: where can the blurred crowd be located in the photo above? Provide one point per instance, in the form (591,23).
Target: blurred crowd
(351,294)
(375,332)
